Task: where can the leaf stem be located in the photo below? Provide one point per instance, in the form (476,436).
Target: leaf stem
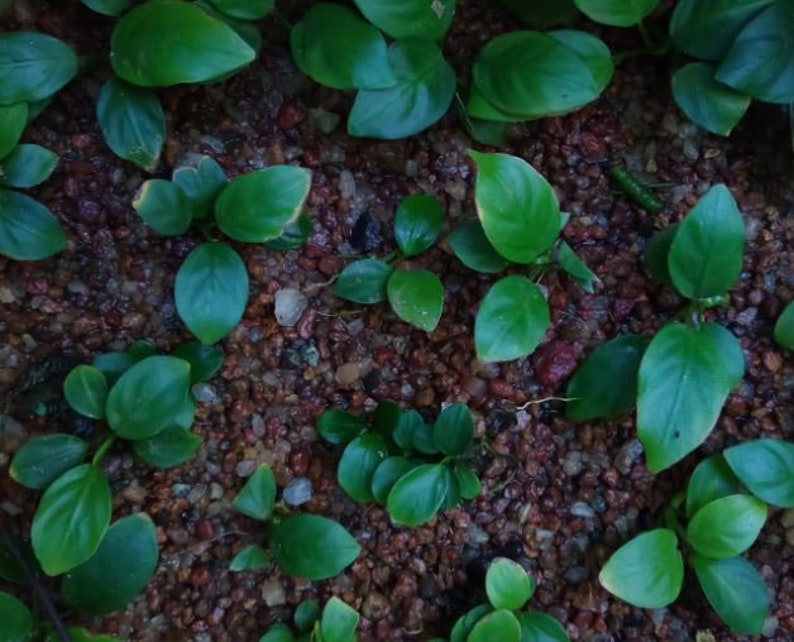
(103,449)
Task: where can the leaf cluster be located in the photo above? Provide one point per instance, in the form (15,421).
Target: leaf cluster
(336,623)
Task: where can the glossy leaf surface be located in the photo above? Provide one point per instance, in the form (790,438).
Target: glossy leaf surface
(766,467)
(417,495)
(417,223)
(28,230)
(86,391)
(708,103)
(257,497)
(409,18)
(41,460)
(417,297)
(33,66)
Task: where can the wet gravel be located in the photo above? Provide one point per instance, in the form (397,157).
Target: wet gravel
(558,497)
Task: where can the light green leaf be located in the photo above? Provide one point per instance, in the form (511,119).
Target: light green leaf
(43,459)
(465,623)
(417,297)
(766,467)
(17,620)
(257,497)
(453,430)
(386,475)
(294,234)
(726,526)
(168,448)
(474,250)
(784,327)
(86,390)
(361,458)
(708,103)
(27,166)
(13,119)
(417,495)
(164,207)
(539,627)
(508,585)
(570,262)
(409,18)
(33,66)
(339,622)
(278,633)
(468,482)
(500,625)
(339,426)
(417,223)
(306,614)
(616,13)
(363,281)
(28,230)
(712,479)
(251,558)
(201,179)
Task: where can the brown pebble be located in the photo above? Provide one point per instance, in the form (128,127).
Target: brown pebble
(289,116)
(200,576)
(553,363)
(205,530)
(772,361)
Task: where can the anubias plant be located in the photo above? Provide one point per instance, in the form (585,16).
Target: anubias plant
(336,623)
(33,66)
(303,545)
(714,522)
(681,377)
(263,206)
(411,467)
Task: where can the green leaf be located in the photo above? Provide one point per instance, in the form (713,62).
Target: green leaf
(278,633)
(211,291)
(363,281)
(423,93)
(339,426)
(294,234)
(164,207)
(616,13)
(468,482)
(251,558)
(516,206)
(79,634)
(204,360)
(735,590)
(33,66)
(708,29)
(361,458)
(417,297)
(474,250)
(148,397)
(452,494)
(605,384)
(17,620)
(28,230)
(539,627)
(312,547)
(306,614)
(417,495)
(27,166)
(408,423)
(683,382)
(71,519)
(759,62)
(107,7)
(730,351)
(257,497)
(339,622)
(386,418)
(508,585)
(784,327)
(159,44)
(244,9)
(465,623)
(417,223)
(201,180)
(13,119)
(336,48)
(542,13)
(422,439)
(140,350)
(711,480)
(655,257)
(386,475)
(86,391)
(511,321)
(726,526)
(256,207)
(500,625)
(576,268)
(766,467)
(113,364)
(120,569)
(708,103)
(453,430)
(706,254)
(168,448)
(42,460)
(647,571)
(409,18)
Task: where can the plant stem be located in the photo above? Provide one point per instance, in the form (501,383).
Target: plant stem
(103,449)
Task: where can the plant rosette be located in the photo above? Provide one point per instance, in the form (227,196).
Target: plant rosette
(336,623)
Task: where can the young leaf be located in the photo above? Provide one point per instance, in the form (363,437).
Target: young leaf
(204,360)
(251,558)
(33,66)
(164,207)
(42,460)
(511,321)
(27,166)
(306,614)
(211,291)
(454,429)
(735,590)
(294,234)
(28,230)
(339,622)
(386,475)
(654,259)
(605,384)
(120,569)
(784,327)
(71,519)
(576,268)
(727,526)
(616,13)
(86,391)
(708,103)
(539,627)
(361,458)
(363,281)
(16,618)
(706,254)
(278,633)
(257,497)
(244,9)
(417,223)
(474,250)
(339,426)
(168,448)
(712,479)
(201,180)
(312,547)
(140,350)
(409,18)
(647,571)
(113,365)
(408,422)
(422,439)
(13,119)
(465,623)
(417,296)
(159,44)
(500,625)
(417,495)
(508,585)
(468,482)
(766,467)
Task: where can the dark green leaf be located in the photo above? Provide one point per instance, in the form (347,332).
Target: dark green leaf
(141,349)
(453,430)
(468,482)
(17,620)
(616,13)
(28,230)
(409,18)
(79,634)
(107,7)
(33,66)
(251,558)
(71,519)
(339,426)
(647,571)
(474,250)
(500,625)
(417,495)
(11,569)
(766,467)
(784,327)
(386,475)
(511,321)
(294,234)
(711,479)
(735,590)
(576,268)
(361,458)
(306,614)
(726,526)
(363,281)
(86,391)
(417,223)
(13,119)
(539,627)
(164,207)
(386,418)
(42,460)
(204,360)
(339,622)
(201,180)
(168,448)
(113,364)
(417,296)
(122,566)
(605,384)
(708,103)
(542,13)
(278,633)
(27,166)
(312,547)
(487,132)
(211,291)
(257,497)
(409,421)
(244,9)
(452,495)
(422,439)
(655,257)
(730,351)
(159,44)
(508,585)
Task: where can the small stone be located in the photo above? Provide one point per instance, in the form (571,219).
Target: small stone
(289,306)
(347,374)
(375,606)
(347,184)
(366,236)
(627,455)
(245,468)
(576,574)
(553,363)
(581,509)
(298,491)
(205,393)
(273,593)
(324,120)
(477,535)
(572,464)
(772,361)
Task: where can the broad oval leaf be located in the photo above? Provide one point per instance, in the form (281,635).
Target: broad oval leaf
(168,448)
(149,397)
(72,517)
(27,166)
(386,475)
(159,44)
(500,625)
(417,495)
(453,429)
(730,351)
(417,223)
(474,250)
(605,384)
(312,547)
(86,391)
(766,467)
(164,207)
(306,614)
(338,622)
(409,18)
(726,526)
(113,364)
(784,327)
(211,291)
(28,230)
(516,206)
(409,422)
(616,13)
(706,254)
(361,458)
(132,122)
(107,7)
(33,66)
(16,618)
(708,103)
(278,633)
(251,558)
(646,571)
(508,585)
(712,479)
(363,281)
(42,460)
(120,569)
(255,207)
(417,296)
(257,497)
(201,180)
(465,623)
(13,119)
(423,93)
(204,360)
(339,426)
(511,321)
(539,627)
(244,9)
